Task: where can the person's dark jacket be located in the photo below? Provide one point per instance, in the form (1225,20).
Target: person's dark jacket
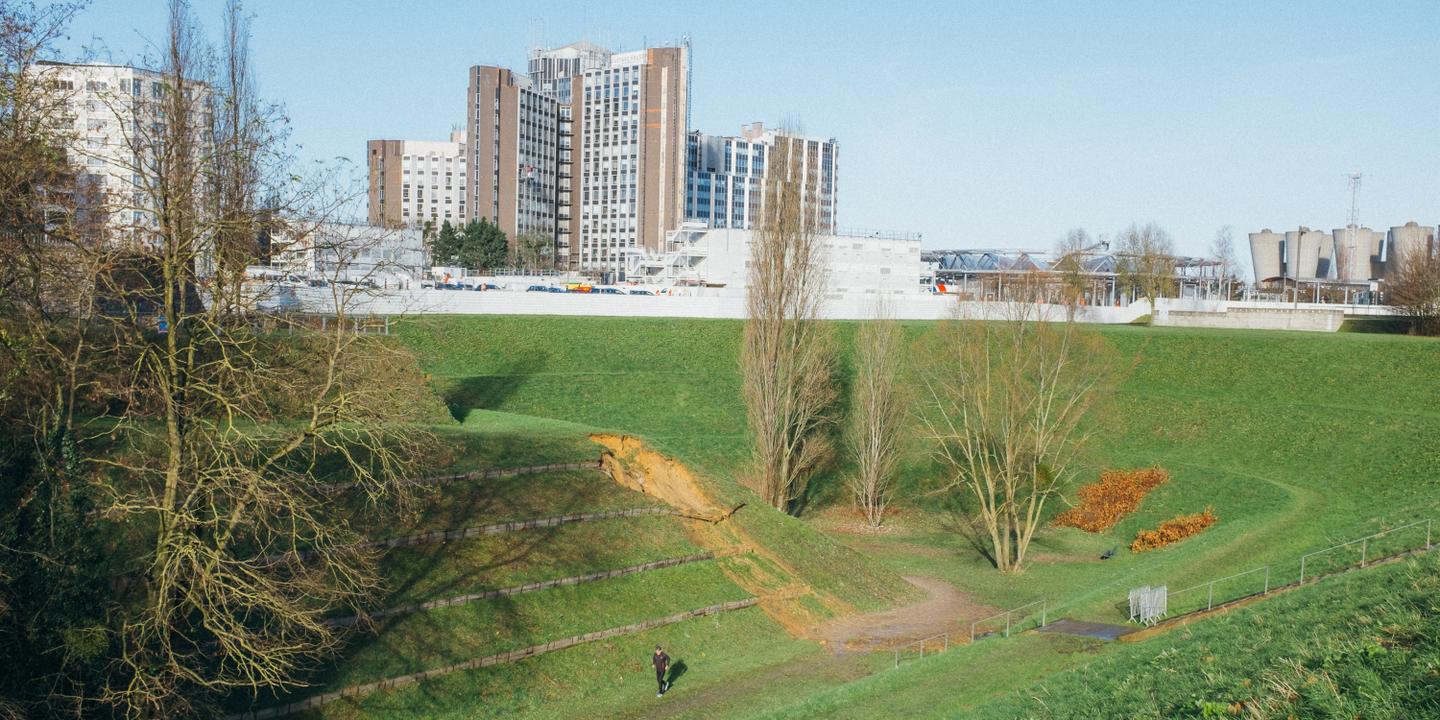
(661,660)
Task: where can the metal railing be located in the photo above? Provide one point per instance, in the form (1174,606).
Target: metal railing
(1009,616)
(1210,586)
(1367,554)
(1365,544)
(943,639)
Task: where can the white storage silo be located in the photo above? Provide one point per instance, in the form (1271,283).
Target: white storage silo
(1265,254)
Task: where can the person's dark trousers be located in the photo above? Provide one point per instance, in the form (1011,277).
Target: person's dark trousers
(660,680)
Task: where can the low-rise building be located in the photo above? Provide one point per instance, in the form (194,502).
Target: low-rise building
(856,262)
(383,257)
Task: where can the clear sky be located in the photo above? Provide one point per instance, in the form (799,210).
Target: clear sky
(979,124)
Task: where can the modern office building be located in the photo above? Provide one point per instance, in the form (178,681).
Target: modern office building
(725,180)
(417,181)
(588,148)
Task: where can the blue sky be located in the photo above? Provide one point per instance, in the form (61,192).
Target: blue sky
(980,125)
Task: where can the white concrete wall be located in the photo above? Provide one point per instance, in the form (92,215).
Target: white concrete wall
(465,302)
(1249,316)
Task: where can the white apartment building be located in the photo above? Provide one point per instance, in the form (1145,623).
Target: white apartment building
(417,181)
(725,178)
(112,114)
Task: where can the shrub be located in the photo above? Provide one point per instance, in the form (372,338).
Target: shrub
(1117,494)
(1173,530)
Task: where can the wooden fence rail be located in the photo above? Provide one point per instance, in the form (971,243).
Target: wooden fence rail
(519,589)
(481,474)
(442,536)
(487,661)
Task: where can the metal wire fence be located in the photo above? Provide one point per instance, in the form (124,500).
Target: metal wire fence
(917,649)
(1014,620)
(1311,566)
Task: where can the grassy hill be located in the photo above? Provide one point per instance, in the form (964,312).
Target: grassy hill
(1297,441)
(1364,645)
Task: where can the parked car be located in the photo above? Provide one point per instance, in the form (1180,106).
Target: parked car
(609,291)
(641,292)
(537,288)
(556,290)
(487,286)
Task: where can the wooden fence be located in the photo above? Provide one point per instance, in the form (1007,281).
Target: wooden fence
(519,589)
(481,474)
(487,661)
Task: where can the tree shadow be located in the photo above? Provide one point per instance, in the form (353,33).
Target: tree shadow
(491,390)
(964,524)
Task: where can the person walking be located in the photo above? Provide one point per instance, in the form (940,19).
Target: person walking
(661,661)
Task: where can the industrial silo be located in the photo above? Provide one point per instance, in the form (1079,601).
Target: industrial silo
(1357,250)
(1307,254)
(1265,257)
(1407,241)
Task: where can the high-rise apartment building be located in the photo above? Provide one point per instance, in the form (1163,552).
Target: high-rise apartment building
(588,148)
(725,180)
(417,181)
(111,112)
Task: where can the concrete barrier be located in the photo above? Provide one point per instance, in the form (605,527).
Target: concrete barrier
(730,304)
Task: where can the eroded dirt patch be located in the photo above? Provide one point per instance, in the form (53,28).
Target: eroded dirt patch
(784,596)
(945,610)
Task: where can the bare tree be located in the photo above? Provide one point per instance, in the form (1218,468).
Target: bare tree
(1145,256)
(787,353)
(1223,250)
(1007,406)
(1414,290)
(1070,264)
(224,426)
(878,411)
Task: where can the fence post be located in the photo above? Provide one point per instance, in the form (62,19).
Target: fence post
(1007,623)
(1210,597)
(1267,581)
(1043,609)
(1302,570)
(947,641)
(922,648)
(897,657)
(1427,533)
(1364,551)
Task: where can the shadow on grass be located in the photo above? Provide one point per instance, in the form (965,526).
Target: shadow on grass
(490,391)
(677,669)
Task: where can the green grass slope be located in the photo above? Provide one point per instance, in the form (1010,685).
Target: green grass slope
(1297,440)
(673,382)
(1363,645)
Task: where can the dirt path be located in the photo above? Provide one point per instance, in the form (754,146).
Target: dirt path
(946,609)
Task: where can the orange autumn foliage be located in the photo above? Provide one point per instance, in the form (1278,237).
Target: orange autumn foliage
(1173,530)
(1117,494)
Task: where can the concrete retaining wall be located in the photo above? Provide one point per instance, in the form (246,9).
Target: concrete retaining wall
(1254,318)
(731,305)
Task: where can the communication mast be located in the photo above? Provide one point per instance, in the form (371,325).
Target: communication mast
(1352,227)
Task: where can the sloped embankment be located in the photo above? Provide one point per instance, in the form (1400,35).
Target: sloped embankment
(785,593)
